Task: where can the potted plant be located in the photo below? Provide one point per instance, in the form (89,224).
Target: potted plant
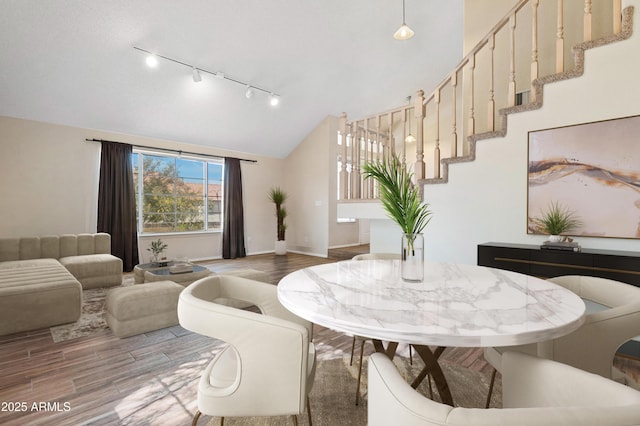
(278,197)
(557,220)
(156,248)
(402,202)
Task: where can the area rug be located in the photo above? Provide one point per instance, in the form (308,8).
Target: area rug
(92,319)
(333,396)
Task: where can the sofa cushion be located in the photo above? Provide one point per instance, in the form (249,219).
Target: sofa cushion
(30,248)
(102,242)
(16,264)
(50,247)
(95,270)
(86,244)
(68,245)
(9,249)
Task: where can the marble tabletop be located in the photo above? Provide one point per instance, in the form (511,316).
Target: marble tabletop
(455,305)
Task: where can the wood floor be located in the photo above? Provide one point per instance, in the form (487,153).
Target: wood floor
(146,379)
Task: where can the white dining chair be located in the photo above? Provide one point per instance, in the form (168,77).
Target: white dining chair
(613,318)
(267,367)
(536,392)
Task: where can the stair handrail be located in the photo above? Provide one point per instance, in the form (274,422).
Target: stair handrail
(365,144)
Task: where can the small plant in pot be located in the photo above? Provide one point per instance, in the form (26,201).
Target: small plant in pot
(278,197)
(157,248)
(403,204)
(557,220)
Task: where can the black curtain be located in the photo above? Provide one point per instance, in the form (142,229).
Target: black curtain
(233,227)
(117,202)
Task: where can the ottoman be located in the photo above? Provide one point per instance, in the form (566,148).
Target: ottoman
(142,307)
(37,293)
(94,270)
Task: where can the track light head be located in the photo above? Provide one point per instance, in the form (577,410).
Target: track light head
(249,93)
(152,61)
(197,78)
(274,99)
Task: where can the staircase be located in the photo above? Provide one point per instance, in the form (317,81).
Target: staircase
(505,74)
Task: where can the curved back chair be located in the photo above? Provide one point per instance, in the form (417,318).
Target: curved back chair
(268,365)
(535,391)
(593,346)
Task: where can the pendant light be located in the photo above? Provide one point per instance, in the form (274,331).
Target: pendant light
(404,32)
(410,138)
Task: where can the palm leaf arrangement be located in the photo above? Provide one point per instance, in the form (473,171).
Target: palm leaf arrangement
(557,220)
(277,196)
(399,196)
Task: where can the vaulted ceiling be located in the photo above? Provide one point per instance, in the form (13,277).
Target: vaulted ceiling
(73,62)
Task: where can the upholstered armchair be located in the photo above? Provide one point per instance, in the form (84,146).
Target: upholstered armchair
(536,391)
(613,317)
(267,367)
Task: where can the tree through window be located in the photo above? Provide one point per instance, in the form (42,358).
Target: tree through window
(176,194)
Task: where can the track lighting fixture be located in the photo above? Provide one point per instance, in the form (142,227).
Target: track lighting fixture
(404,32)
(197,78)
(196,74)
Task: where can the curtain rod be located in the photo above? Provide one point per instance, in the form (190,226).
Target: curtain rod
(179,152)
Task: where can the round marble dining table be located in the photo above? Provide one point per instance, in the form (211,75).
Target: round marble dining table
(455,305)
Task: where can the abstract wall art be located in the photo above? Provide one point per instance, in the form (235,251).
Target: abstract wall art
(592,170)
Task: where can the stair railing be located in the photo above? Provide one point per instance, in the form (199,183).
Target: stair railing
(498,73)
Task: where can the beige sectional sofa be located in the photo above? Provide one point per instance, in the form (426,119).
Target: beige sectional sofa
(41,278)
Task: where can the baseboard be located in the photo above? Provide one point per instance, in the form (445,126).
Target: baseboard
(347,245)
(323,255)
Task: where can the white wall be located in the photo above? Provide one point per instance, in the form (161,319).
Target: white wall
(479,17)
(49,180)
(311,184)
(485,200)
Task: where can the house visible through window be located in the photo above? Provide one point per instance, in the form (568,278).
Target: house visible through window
(177,194)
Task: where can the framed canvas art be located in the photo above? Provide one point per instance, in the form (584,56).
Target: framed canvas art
(591,170)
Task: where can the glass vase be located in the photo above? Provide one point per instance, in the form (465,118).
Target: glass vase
(412,262)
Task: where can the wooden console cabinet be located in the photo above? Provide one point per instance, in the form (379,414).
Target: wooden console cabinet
(528,259)
(616,265)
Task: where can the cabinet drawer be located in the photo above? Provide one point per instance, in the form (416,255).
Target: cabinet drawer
(553,263)
(504,258)
(619,268)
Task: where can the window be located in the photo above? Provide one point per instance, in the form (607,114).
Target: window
(177,194)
